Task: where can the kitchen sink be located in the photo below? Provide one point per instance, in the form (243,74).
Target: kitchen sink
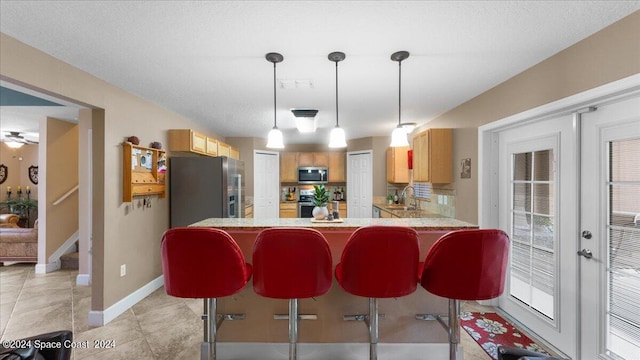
(399,207)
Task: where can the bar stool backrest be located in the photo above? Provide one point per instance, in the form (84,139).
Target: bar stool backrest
(467,265)
(291,263)
(380,262)
(202,263)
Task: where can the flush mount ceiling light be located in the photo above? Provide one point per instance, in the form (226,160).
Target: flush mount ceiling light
(337,136)
(274,141)
(399,135)
(305,119)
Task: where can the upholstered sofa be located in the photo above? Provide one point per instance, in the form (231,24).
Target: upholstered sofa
(9,220)
(18,244)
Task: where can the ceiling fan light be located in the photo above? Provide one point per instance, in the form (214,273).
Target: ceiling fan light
(399,137)
(275,140)
(14,144)
(337,138)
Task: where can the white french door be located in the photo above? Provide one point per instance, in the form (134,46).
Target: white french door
(537,200)
(610,229)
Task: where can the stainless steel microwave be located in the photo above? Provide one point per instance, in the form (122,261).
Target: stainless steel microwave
(313,175)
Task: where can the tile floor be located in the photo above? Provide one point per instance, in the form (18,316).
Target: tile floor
(157,328)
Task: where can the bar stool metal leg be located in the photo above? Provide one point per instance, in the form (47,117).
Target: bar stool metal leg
(208,348)
(454,327)
(373,328)
(293,329)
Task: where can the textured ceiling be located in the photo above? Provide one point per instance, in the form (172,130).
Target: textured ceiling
(205,59)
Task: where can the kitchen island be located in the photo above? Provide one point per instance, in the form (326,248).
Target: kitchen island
(398,324)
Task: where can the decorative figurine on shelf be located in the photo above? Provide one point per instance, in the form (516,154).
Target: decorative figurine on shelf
(134,140)
(320,200)
(156,145)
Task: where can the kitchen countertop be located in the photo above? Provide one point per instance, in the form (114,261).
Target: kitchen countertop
(399,211)
(422,223)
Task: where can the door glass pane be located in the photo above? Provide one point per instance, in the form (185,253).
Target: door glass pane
(533,243)
(623,265)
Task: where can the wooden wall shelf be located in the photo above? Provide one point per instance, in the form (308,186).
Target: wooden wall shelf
(143,172)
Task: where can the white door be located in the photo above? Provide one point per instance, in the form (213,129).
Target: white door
(610,229)
(360,184)
(266,184)
(537,208)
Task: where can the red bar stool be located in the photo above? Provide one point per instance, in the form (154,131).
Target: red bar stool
(379,262)
(292,263)
(464,265)
(204,263)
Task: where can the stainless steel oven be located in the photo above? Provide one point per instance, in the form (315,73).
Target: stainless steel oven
(305,209)
(305,204)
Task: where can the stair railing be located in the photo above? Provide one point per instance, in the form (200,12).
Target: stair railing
(66,195)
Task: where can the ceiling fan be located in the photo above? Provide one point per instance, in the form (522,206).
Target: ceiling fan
(15,138)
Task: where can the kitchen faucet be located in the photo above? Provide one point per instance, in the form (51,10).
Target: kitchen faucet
(414,204)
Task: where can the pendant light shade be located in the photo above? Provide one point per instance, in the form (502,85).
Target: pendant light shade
(399,135)
(275,138)
(337,135)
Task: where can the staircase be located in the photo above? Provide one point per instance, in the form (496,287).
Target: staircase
(69,261)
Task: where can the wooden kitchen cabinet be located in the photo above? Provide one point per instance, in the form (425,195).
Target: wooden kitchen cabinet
(314,159)
(289,167)
(397,165)
(337,167)
(234,153)
(432,156)
(343,209)
(224,149)
(248,212)
(212,146)
(144,171)
(289,210)
(186,140)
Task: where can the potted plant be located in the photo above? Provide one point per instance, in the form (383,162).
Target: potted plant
(390,199)
(320,200)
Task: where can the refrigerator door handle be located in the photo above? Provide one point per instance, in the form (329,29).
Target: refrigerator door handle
(240,205)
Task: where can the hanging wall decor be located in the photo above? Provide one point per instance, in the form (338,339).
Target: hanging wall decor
(33,174)
(4,173)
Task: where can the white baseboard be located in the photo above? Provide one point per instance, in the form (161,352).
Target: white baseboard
(83,280)
(101,318)
(47,268)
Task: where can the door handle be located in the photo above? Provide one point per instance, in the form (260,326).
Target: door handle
(586,253)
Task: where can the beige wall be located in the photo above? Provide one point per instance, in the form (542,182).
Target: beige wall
(123,233)
(62,176)
(18,162)
(608,55)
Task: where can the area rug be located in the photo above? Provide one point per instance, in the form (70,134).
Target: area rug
(490,330)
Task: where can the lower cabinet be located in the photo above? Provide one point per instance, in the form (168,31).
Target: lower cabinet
(248,212)
(288,210)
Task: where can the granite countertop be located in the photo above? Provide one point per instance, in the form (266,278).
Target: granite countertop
(400,211)
(439,223)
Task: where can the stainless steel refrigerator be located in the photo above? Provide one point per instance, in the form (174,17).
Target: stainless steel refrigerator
(205,187)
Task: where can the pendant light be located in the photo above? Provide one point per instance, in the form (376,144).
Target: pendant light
(399,135)
(337,136)
(274,140)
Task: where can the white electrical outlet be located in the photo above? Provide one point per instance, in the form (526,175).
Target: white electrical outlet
(123,270)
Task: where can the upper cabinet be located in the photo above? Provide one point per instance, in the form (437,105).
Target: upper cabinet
(193,142)
(289,167)
(187,140)
(397,164)
(337,167)
(334,161)
(316,159)
(432,156)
